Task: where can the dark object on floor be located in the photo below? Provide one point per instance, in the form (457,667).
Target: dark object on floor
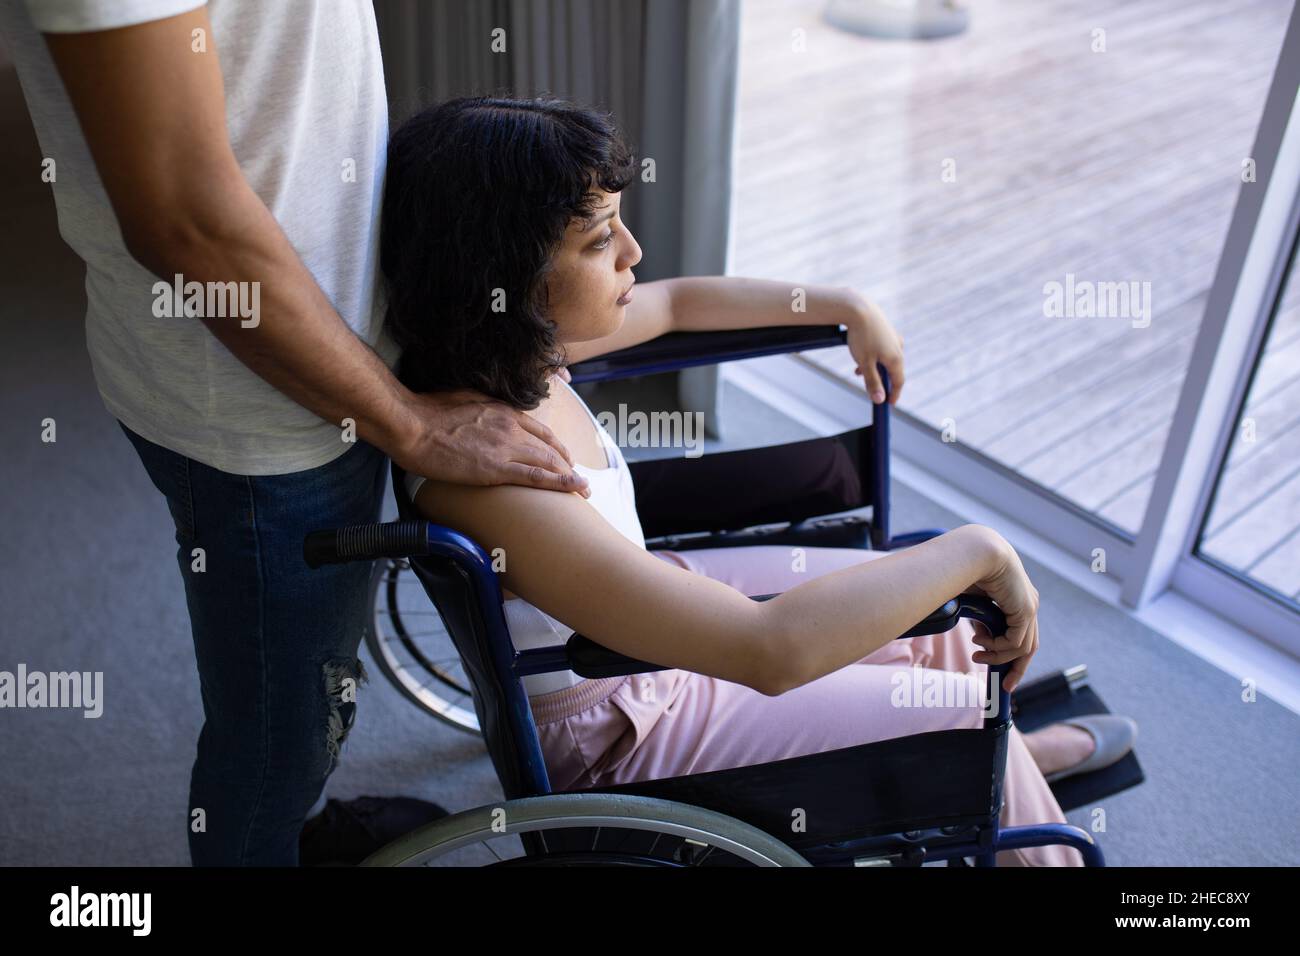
(348,831)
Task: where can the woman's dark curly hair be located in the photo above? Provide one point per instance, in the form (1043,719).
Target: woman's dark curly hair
(478,195)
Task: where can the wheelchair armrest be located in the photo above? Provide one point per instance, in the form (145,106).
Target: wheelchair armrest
(591,660)
(678,350)
(937,621)
(977,607)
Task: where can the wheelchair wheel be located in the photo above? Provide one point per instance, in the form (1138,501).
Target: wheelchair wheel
(587,829)
(413,649)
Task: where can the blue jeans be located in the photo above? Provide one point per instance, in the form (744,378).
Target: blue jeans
(276,642)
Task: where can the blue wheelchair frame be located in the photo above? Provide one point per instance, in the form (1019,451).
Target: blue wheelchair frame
(881,801)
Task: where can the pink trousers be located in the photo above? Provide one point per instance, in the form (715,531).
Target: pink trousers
(674,722)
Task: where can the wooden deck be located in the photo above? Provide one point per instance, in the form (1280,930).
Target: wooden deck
(1115,166)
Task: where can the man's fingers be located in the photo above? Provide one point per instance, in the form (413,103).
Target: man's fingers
(537,476)
(535,454)
(534,427)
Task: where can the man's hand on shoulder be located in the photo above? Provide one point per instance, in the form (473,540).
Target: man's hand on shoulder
(465,437)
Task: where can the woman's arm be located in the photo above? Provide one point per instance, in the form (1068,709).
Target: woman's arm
(562,556)
(718,303)
(711,303)
(825,619)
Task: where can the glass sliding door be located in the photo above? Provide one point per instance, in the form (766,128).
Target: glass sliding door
(1252,528)
(1038,203)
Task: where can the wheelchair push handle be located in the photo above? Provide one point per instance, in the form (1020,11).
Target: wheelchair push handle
(392,539)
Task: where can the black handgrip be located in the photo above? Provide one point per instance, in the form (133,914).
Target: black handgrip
(592,661)
(392,539)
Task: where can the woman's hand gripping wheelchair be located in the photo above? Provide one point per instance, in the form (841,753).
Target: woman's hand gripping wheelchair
(880,803)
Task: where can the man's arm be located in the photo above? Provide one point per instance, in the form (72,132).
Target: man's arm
(153,114)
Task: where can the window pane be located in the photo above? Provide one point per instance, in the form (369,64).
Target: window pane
(1038,204)
(1253,525)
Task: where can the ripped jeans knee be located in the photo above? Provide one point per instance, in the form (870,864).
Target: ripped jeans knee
(343,676)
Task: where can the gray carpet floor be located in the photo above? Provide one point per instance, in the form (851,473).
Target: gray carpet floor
(89,583)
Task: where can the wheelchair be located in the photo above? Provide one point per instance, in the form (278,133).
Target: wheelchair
(875,804)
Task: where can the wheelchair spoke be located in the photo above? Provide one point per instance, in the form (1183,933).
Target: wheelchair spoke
(693,836)
(408,636)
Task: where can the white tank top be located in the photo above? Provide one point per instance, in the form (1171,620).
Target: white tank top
(613,496)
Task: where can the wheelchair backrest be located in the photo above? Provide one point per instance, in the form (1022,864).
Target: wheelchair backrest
(757,486)
(459,579)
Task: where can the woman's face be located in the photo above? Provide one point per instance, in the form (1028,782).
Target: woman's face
(592,271)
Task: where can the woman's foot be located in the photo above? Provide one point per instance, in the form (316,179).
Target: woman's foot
(1081,744)
(1058,746)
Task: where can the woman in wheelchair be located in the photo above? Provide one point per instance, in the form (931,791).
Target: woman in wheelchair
(505,259)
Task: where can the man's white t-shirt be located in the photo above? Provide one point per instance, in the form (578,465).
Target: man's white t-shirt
(308,121)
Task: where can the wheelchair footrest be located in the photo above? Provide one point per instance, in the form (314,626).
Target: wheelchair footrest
(1059,696)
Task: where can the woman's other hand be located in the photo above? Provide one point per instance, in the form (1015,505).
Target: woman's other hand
(871,340)
(1008,584)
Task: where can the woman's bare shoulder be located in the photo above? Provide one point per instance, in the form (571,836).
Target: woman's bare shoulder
(467,507)
(490,515)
